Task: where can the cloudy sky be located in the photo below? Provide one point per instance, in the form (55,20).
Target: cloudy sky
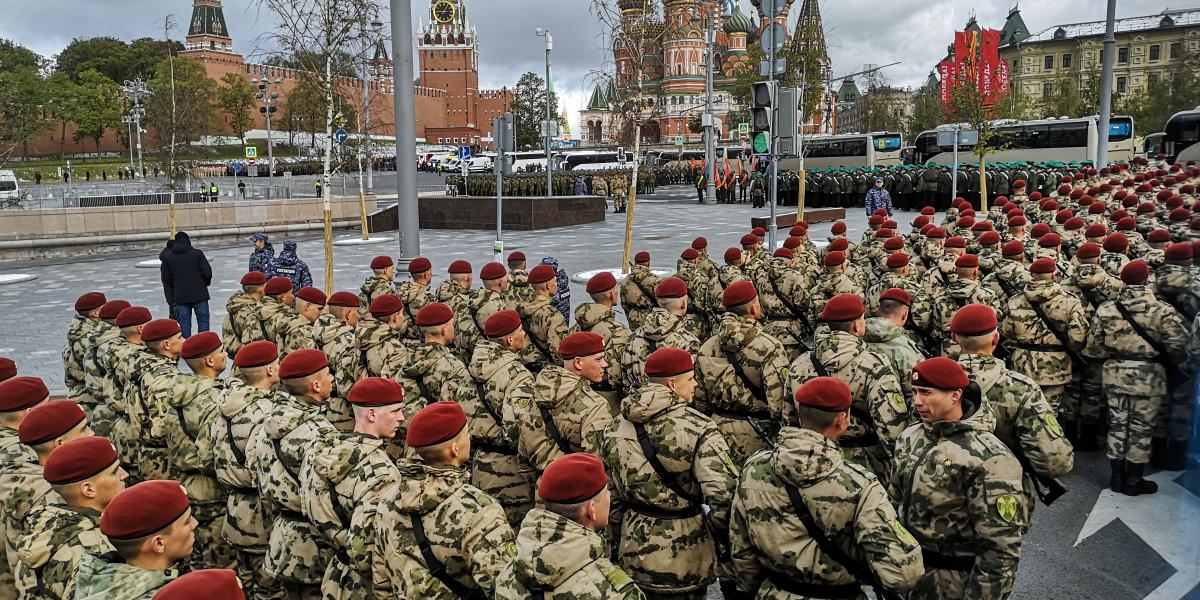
(858,32)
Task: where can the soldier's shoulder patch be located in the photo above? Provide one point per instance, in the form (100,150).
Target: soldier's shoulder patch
(903,534)
(897,401)
(1052,424)
(1006,506)
(617,578)
(785,374)
(510,549)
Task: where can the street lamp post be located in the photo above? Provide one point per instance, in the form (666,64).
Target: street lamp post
(407,209)
(268,98)
(135,90)
(549,114)
(376,29)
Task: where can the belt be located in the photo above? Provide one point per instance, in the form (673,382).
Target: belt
(866,441)
(493,448)
(248,491)
(1134,358)
(814,590)
(740,414)
(150,444)
(1041,347)
(662,513)
(937,560)
(291,515)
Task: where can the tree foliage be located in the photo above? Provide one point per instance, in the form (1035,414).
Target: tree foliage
(113,58)
(96,106)
(23,94)
(194,111)
(236,99)
(927,114)
(529,110)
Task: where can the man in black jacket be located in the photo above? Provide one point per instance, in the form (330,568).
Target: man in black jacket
(189,274)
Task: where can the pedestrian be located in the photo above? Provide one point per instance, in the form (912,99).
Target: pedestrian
(213,193)
(263,257)
(878,197)
(37,178)
(318,187)
(242,189)
(562,297)
(104,174)
(190,274)
(87,175)
(168,284)
(580,186)
(289,265)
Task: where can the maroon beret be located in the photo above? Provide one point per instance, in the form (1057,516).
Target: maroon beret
(435,424)
(79,459)
(254,278)
(929,210)
(1096,209)
(1120,194)
(8,368)
(89,302)
(419,265)
(1136,272)
(460,267)
(50,420)
(1158,236)
(965,222)
(876,219)
(256,354)
(1144,188)
(642,258)
(1035,196)
(843,307)
(1180,214)
(312,295)
(800,229)
(132,316)
(940,373)
(1088,250)
(144,509)
(982,226)
(829,394)
(671,287)
(793,242)
(783,253)
(936,233)
(601,282)
(749,240)
(838,228)
(112,308)
(1018,184)
(580,344)
(689,254)
(1073,223)
(375,391)
(344,299)
(967,261)
(955,242)
(920,221)
(668,362)
(738,293)
(1064,188)
(1145,208)
(433,314)
(1039,229)
(1016,221)
(928,227)
(492,271)
(381,262)
(302,363)
(835,258)
(733,255)
(200,345)
(839,245)
(385,305)
(897,260)
(1116,242)
(572,479)
(1181,251)
(517,256)
(541,274)
(277,285)
(758,231)
(897,294)
(884,233)
(501,323)
(1042,265)
(209,584)
(159,330)
(700,243)
(989,238)
(893,243)
(1095,230)
(1013,248)
(1050,240)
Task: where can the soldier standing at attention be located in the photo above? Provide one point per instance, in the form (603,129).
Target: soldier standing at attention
(957,486)
(333,334)
(560,553)
(808,523)
(831,282)
(382,347)
(688,269)
(662,327)
(455,292)
(162,337)
(706,263)
(382,281)
(126,360)
(1133,333)
(415,294)
(637,290)
(600,318)
(518,276)
(239,310)
(482,303)
(433,373)
(297,332)
(94,399)
(887,335)
(544,325)
(87,475)
(725,276)
(17,396)
(85,321)
(962,290)
(275,310)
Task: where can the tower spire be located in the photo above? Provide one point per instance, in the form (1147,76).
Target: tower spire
(207,29)
(809,39)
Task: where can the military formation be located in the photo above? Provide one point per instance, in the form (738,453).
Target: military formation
(879,413)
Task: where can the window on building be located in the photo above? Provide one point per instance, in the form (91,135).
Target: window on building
(1066,60)
(1121,85)
(1047,89)
(1155,51)
(1176,50)
(1123,56)
(1048,62)
(1151,79)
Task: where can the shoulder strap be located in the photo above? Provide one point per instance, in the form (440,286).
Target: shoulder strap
(481,389)
(183,423)
(669,479)
(1062,339)
(755,390)
(436,567)
(539,344)
(817,366)
(276,443)
(787,302)
(420,381)
(552,430)
(856,568)
(238,454)
(338,509)
(1141,331)
(649,296)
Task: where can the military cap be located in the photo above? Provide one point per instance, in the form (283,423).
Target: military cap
(955,242)
(517,256)
(132,316)
(959,201)
(501,323)
(929,210)
(1076,194)
(828,394)
(700,243)
(1145,208)
(880,211)
(792,242)
(459,267)
(573,478)
(1087,251)
(1116,242)
(738,293)
(1048,204)
(893,243)
(642,258)
(1130,202)
(783,253)
(144,509)
(159,330)
(112,308)
(1181,251)
(838,228)
(492,271)
(541,274)
(1063,189)
(896,294)
(258,237)
(897,260)
(254,278)
(884,234)
(256,354)
(1180,214)
(835,258)
(1086,200)
(668,362)
(1158,236)
(1187,188)
(1097,208)
(1194,224)
(1126,224)
(926,228)
(876,219)
(209,584)
(799,229)
(302,363)
(940,373)
(433,314)
(1175,201)
(1050,240)
(1018,184)
(1118,215)
(8,368)
(759,231)
(920,221)
(419,265)
(1039,229)
(1001,199)
(78,460)
(1017,221)
(580,344)
(89,302)
(843,307)
(733,255)
(936,233)
(276,286)
(967,261)
(1095,230)
(890,224)
(435,424)
(749,240)
(1120,194)
(1135,272)
(1144,188)
(344,299)
(53,419)
(982,226)
(1164,194)
(375,391)
(689,254)
(1063,216)
(381,262)
(601,282)
(385,305)
(1042,265)
(200,345)
(839,245)
(965,222)
(312,295)
(1035,196)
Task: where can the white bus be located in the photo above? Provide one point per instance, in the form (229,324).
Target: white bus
(10,191)
(1181,137)
(875,149)
(1043,140)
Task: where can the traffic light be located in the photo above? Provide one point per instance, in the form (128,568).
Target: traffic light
(786,125)
(762,118)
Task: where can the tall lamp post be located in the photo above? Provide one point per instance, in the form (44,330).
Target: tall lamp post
(135,90)
(269,99)
(375,34)
(549,114)
(407,209)
(709,122)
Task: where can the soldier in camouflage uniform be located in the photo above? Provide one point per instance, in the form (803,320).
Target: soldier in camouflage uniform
(334,334)
(433,373)
(878,413)
(688,269)
(95,367)
(455,292)
(295,427)
(560,553)
(1009,276)
(886,335)
(355,470)
(415,293)
(725,276)
(382,281)
(440,537)
(1177,283)
(125,359)
(637,290)
(662,327)
(1138,336)
(274,310)
(920,310)
(240,306)
(833,281)
(1115,255)
(493,296)
(382,345)
(147,410)
(518,277)
(298,332)
(772,546)
(620,193)
(741,372)
(544,325)
(18,395)
(87,475)
(667,459)
(957,486)
(502,382)
(247,520)
(85,321)
(600,317)
(565,414)
(1083,401)
(784,297)
(963,290)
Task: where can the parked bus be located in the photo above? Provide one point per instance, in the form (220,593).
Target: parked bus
(10,191)
(591,160)
(1181,137)
(875,149)
(1043,140)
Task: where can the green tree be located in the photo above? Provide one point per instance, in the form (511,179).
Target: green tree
(60,101)
(96,106)
(928,113)
(191,112)
(529,110)
(23,96)
(879,111)
(236,98)
(106,55)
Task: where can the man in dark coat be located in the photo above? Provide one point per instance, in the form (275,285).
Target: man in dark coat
(168,285)
(190,275)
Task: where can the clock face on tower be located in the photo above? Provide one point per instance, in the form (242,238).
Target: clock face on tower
(443,11)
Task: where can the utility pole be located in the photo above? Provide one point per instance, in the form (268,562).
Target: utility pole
(710,167)
(269,99)
(549,114)
(1106,75)
(135,90)
(772,197)
(407,208)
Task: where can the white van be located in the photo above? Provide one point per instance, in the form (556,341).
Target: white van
(10,191)
(480,164)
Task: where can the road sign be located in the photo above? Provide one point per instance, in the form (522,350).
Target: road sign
(780,37)
(679,140)
(250,161)
(743,128)
(340,135)
(251,152)
(464,153)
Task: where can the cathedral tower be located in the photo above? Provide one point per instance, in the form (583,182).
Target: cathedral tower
(449,60)
(207,30)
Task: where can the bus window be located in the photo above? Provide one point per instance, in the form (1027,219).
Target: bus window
(1069,135)
(1120,130)
(1037,136)
(886,143)
(854,147)
(1186,129)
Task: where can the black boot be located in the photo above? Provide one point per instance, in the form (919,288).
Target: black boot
(1117,481)
(1090,438)
(1134,485)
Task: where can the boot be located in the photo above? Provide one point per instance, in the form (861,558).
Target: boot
(1090,438)
(1133,484)
(1117,481)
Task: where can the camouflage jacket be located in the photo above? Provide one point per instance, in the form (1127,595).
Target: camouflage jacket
(415,296)
(273,317)
(721,392)
(602,321)
(828,285)
(340,344)
(1093,285)
(58,538)
(890,340)
(22,489)
(783,295)
(432,374)
(465,530)
(458,298)
(958,490)
(107,577)
(95,373)
(637,294)
(1132,365)
(1179,286)
(120,360)
(697,285)
(1113,262)
(128,361)
(954,296)
(79,328)
(726,276)
(248,323)
(373,288)
(295,332)
(659,329)
(545,327)
(519,288)
(565,561)
(352,470)
(247,522)
(668,554)
(502,382)
(194,406)
(769,542)
(1007,279)
(382,350)
(231,329)
(920,313)
(149,410)
(575,410)
(481,304)
(1037,352)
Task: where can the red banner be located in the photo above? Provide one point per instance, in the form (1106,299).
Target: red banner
(977,61)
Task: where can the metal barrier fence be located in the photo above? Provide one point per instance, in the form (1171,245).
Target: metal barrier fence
(136,199)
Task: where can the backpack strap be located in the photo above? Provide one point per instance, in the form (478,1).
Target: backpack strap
(669,479)
(552,430)
(436,567)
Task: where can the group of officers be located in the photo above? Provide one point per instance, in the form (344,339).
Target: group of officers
(804,423)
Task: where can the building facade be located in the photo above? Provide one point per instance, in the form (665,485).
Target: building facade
(890,105)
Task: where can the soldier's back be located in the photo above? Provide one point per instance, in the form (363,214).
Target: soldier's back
(58,538)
